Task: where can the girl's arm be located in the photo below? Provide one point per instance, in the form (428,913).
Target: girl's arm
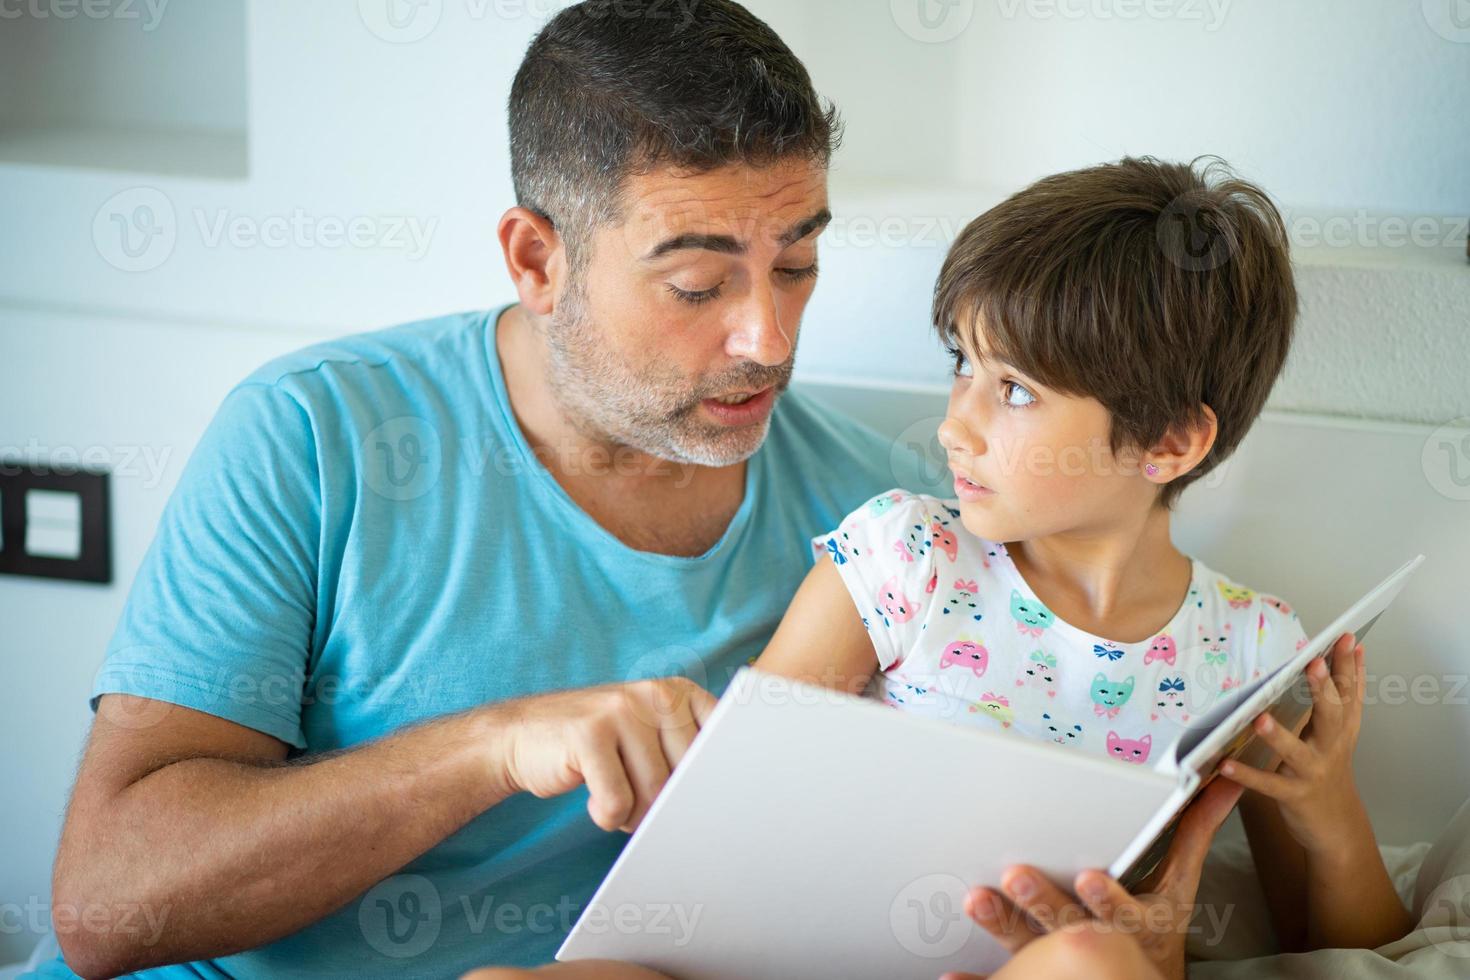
(1312,841)
(822,639)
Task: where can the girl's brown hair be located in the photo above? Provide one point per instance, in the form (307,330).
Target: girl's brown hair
(1150,286)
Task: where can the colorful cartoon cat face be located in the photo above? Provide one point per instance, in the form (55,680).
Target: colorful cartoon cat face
(1277,604)
(1111,694)
(966,653)
(1039,672)
(1216,645)
(1133,750)
(1030,615)
(1059,731)
(944,540)
(1108,697)
(996,706)
(881,505)
(893,604)
(1170,701)
(1237,595)
(1162,648)
(964,600)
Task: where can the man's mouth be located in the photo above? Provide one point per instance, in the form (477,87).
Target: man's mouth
(739,398)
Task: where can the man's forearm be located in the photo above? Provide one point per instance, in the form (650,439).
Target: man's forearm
(223,856)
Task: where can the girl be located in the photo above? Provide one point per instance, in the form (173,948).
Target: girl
(1115,332)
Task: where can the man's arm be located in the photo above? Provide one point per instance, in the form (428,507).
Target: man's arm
(200,826)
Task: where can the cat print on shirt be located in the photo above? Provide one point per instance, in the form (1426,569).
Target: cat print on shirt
(1030,615)
(964,600)
(1108,697)
(926,587)
(1133,750)
(1039,673)
(968,654)
(996,706)
(1059,731)
(1171,701)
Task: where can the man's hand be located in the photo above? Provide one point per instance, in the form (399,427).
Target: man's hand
(1156,919)
(622,740)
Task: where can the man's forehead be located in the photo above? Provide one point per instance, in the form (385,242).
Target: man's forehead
(742,206)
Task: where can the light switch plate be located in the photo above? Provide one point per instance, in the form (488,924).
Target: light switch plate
(55,523)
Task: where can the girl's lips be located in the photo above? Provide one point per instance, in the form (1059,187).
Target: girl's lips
(748,412)
(967,489)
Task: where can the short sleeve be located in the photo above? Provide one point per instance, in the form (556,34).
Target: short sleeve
(221,614)
(1279,635)
(884,553)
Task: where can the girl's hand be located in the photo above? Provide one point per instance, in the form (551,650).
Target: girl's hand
(1313,786)
(1157,919)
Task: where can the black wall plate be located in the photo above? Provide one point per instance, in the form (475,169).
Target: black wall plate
(94,563)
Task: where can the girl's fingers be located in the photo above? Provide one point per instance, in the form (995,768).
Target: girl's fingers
(1271,784)
(998,916)
(1031,891)
(1293,751)
(1103,895)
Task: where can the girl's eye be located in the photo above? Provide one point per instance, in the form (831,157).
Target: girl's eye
(961,363)
(696,297)
(798,275)
(1017,396)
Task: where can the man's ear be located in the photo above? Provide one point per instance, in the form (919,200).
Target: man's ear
(1183,447)
(535,258)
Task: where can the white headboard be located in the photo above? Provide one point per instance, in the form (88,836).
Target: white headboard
(1316,510)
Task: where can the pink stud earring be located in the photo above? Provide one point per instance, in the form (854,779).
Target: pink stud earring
(1150,469)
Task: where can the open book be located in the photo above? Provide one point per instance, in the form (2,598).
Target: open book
(813,833)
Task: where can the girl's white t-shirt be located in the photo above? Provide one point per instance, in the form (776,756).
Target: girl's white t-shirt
(959,635)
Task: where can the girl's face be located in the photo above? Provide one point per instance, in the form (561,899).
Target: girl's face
(1030,461)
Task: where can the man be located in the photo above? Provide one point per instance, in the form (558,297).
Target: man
(382,697)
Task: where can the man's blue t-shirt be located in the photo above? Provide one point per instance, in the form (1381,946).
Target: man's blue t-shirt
(364,539)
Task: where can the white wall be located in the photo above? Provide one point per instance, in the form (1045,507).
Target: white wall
(1334,108)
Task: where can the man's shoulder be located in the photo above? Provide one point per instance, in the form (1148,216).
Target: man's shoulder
(429,346)
(815,438)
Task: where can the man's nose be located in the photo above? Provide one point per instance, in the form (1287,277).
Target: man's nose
(761,335)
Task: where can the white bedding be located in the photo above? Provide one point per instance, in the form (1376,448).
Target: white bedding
(1432,879)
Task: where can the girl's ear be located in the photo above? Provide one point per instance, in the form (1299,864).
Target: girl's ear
(1183,446)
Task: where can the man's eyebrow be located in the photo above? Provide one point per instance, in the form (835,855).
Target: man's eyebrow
(726,245)
(802,229)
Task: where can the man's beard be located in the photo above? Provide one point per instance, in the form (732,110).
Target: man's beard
(653,409)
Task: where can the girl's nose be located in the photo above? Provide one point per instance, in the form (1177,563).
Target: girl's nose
(957,437)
